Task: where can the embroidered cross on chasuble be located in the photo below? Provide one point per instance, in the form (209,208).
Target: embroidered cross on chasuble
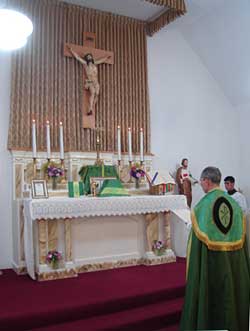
(91,85)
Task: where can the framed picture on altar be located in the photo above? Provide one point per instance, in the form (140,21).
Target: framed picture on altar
(96,184)
(39,189)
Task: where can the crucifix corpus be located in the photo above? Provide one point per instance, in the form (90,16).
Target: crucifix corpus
(90,57)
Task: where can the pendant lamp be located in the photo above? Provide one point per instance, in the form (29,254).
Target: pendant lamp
(15,28)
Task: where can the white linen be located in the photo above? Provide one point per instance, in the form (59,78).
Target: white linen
(180,227)
(241,200)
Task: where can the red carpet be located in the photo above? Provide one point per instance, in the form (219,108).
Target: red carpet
(134,298)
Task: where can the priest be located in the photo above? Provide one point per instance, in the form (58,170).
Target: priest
(218,271)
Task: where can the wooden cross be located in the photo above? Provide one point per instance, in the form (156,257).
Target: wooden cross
(89,40)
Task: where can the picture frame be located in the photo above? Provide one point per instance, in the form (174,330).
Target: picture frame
(39,189)
(99,181)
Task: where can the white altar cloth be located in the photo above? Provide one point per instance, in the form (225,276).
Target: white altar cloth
(71,208)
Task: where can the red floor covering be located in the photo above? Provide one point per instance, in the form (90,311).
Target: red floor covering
(133,298)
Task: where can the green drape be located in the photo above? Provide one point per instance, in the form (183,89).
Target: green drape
(96,171)
(113,188)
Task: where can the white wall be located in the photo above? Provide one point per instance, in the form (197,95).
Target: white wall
(219,38)
(244,147)
(5,164)
(190,116)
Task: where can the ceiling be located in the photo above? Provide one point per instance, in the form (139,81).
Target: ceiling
(143,10)
(138,9)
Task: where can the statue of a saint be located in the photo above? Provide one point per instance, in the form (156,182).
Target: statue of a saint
(185,181)
(91,83)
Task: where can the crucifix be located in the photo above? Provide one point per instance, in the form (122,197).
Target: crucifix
(90,57)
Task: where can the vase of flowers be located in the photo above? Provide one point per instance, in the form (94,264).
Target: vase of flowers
(159,247)
(53,258)
(54,172)
(137,172)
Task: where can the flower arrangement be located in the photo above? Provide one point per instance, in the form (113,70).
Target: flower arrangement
(159,247)
(54,171)
(136,171)
(53,258)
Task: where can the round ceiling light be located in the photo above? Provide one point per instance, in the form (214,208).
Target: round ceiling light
(15,28)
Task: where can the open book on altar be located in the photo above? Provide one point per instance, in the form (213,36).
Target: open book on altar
(160,182)
(157,177)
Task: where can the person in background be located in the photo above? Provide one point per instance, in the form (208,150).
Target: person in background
(229,183)
(218,270)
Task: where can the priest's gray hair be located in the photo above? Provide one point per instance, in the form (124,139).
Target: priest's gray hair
(212,173)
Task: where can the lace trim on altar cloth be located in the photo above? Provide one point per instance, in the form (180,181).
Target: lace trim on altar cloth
(59,208)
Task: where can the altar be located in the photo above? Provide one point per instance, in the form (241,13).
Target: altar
(99,233)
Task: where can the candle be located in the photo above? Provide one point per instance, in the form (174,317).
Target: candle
(129,145)
(48,140)
(141,145)
(61,142)
(34,139)
(119,143)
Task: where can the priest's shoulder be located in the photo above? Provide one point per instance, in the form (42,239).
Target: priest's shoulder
(210,197)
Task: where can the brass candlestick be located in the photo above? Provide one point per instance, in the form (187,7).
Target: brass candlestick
(142,167)
(34,168)
(64,174)
(46,174)
(119,168)
(98,161)
(130,177)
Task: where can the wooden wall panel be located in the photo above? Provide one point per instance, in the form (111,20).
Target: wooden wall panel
(48,86)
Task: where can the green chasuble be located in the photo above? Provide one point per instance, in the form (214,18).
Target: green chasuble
(113,188)
(218,271)
(96,171)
